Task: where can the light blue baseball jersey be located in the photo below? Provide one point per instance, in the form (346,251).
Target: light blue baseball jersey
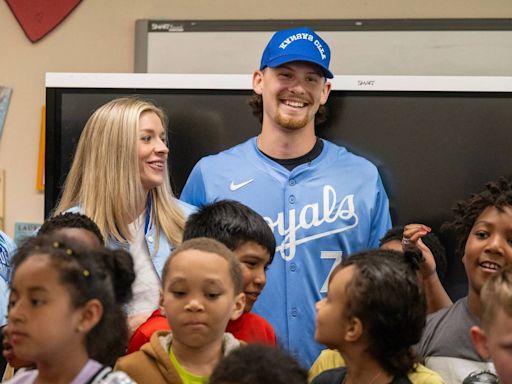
(319,212)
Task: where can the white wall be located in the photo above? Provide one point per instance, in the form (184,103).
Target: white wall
(98,36)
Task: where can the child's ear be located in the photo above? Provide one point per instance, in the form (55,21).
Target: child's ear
(161,298)
(479,339)
(161,303)
(238,306)
(90,315)
(353,330)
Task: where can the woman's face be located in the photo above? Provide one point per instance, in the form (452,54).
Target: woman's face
(152,150)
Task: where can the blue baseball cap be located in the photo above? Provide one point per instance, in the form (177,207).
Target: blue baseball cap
(297,44)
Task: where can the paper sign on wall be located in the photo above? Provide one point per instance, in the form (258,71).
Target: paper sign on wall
(24,230)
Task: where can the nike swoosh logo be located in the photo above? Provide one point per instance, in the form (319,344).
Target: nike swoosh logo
(233,187)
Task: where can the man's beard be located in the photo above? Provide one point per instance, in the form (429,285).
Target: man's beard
(291,122)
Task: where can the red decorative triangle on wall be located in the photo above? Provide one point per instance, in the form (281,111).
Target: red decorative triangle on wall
(38,17)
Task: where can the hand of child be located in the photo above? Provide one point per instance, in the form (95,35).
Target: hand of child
(412,238)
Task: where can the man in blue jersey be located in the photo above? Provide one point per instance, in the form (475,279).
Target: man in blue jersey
(322,202)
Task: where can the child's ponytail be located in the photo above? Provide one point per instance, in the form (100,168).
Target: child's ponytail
(109,339)
(119,264)
(413,257)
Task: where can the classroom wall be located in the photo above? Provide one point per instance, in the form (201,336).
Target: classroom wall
(98,36)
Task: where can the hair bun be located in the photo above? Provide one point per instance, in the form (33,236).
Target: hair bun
(413,257)
(123,275)
(119,265)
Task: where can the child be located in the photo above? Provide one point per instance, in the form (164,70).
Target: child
(258,364)
(246,233)
(65,307)
(373,313)
(393,240)
(201,292)
(483,224)
(419,238)
(12,362)
(7,249)
(432,250)
(493,338)
(74,225)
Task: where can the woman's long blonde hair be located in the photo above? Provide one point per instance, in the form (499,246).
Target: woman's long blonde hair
(104,179)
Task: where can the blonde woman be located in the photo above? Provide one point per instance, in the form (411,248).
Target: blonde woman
(119,178)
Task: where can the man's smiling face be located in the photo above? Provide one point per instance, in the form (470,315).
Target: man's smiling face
(292,94)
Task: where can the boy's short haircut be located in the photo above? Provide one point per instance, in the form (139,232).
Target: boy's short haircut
(70,220)
(497,194)
(385,295)
(430,240)
(232,223)
(258,364)
(205,244)
(496,294)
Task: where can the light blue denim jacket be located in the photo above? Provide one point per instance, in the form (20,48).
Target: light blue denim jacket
(165,247)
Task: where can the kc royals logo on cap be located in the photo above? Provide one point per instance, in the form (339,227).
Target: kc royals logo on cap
(297,44)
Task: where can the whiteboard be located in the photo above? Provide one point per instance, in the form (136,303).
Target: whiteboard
(367,47)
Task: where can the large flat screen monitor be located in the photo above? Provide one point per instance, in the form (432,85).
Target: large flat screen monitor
(435,140)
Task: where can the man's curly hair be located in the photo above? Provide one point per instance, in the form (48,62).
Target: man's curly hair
(497,194)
